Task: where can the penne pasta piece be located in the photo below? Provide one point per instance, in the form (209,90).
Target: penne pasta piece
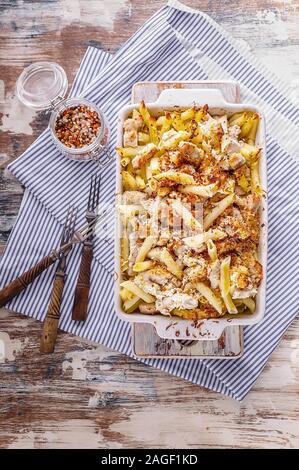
(252,133)
(153,133)
(201,114)
(136,114)
(170,263)
(188,114)
(126,294)
(153,184)
(205,191)
(189,220)
(124,247)
(198,137)
(217,210)
(132,287)
(129,182)
(250,304)
(238,119)
(143,266)
(247,126)
(212,250)
(143,138)
(197,241)
(177,122)
(128,151)
(145,154)
(146,246)
(150,122)
(140,182)
(164,123)
(209,295)
(250,152)
(125,161)
(155,254)
(171,138)
(163,191)
(131,305)
(225,286)
(255,179)
(177,177)
(154,165)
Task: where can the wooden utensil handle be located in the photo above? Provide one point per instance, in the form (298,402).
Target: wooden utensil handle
(21,282)
(82,288)
(49,334)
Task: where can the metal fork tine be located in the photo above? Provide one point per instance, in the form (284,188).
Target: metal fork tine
(90,197)
(72,223)
(98,191)
(64,237)
(86,229)
(93,199)
(94,192)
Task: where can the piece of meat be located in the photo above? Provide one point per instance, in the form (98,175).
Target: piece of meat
(222,120)
(190,153)
(229,145)
(244,293)
(133,246)
(131,127)
(234,131)
(251,202)
(214,274)
(235,160)
(148,309)
(145,154)
(175,298)
(196,273)
(133,197)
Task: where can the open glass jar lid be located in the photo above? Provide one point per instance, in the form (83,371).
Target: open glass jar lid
(78,127)
(40,84)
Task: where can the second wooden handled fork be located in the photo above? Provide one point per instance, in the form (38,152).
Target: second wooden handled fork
(50,326)
(80,306)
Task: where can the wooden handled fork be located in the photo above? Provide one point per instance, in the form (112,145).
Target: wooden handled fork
(80,306)
(20,283)
(50,326)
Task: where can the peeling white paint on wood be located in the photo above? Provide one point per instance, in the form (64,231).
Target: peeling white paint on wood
(272,23)
(10,347)
(97,398)
(16,118)
(69,435)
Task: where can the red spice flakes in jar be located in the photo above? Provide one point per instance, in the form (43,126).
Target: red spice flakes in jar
(77,126)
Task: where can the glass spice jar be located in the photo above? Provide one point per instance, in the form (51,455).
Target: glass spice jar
(78,127)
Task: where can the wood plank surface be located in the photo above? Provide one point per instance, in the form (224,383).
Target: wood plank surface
(85,395)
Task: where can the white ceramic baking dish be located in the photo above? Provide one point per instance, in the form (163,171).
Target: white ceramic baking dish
(208,329)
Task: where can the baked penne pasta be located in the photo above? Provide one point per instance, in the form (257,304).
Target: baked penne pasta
(190,213)
(130,286)
(217,210)
(209,295)
(148,243)
(225,286)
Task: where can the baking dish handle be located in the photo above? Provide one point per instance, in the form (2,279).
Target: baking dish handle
(189,97)
(199,331)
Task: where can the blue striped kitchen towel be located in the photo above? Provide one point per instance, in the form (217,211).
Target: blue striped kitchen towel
(177,43)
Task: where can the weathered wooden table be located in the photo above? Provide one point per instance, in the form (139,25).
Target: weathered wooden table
(85,395)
